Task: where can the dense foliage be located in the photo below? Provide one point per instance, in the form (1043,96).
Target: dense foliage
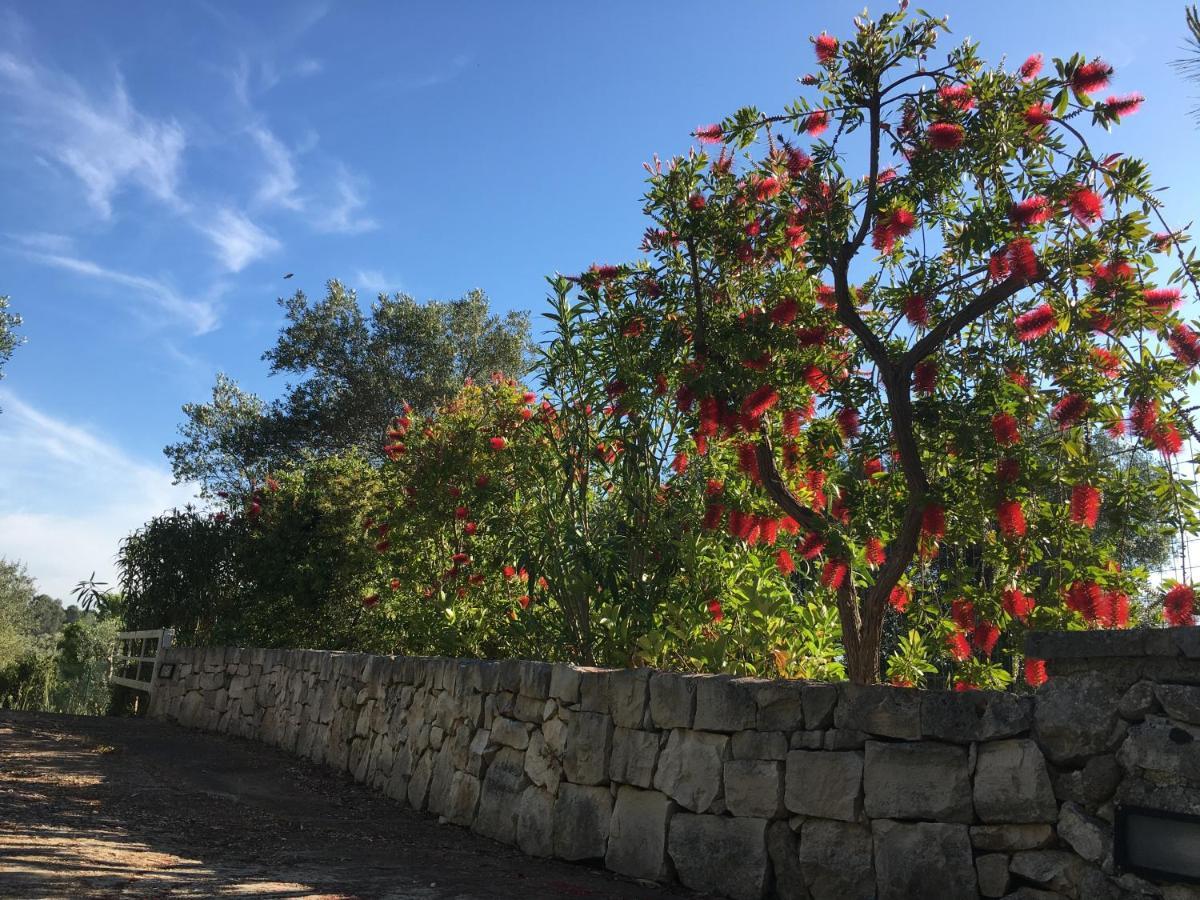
(9,340)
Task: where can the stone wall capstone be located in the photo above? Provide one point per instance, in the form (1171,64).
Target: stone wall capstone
(749,788)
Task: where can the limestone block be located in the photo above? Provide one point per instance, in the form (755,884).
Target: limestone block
(555,731)
(535,822)
(581,818)
(672,700)
(837,860)
(634,754)
(820,701)
(1087,835)
(510,733)
(1161,751)
(879,709)
(754,788)
(418,784)
(785,862)
(637,834)
(760,745)
(1180,702)
(499,796)
(825,784)
(724,704)
(923,859)
(1057,870)
(917,781)
(1076,717)
(629,695)
(564,683)
(535,680)
(463,799)
(1138,701)
(1090,786)
(589,743)
(541,765)
(974,715)
(690,768)
(1012,784)
(1009,838)
(780,706)
(721,855)
(991,869)
(594,690)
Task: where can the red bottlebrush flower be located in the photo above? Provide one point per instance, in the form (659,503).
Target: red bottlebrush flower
(998,267)
(897,681)
(797,162)
(713,487)
(394,584)
(1085,505)
(1166,439)
(784,312)
(1124,106)
(760,401)
(873,552)
(470,528)
(957,644)
(873,467)
(709,134)
(1031,67)
(1086,205)
(753,530)
(890,227)
(815,123)
(1091,77)
(826,46)
(785,563)
(476,579)
(634,327)
(760,363)
(748,461)
(498,443)
(770,529)
(1068,411)
(1084,598)
(1179,605)
(1106,361)
(461,512)
(1022,259)
(961,687)
(791,422)
(696,202)
(848,423)
(900,597)
(788,525)
(1030,211)
(509,572)
(1036,323)
(736,524)
(827,296)
(956,95)
(1161,300)
(715,610)
(933,521)
(915,310)
(796,236)
(925,375)
(766,188)
(1011,518)
(712,516)
(1144,417)
(985,637)
(812,546)
(945,135)
(1004,429)
(1016,603)
(370,600)
(817,380)
(529,396)
(1119,603)
(963,613)
(1035,672)
(461,559)
(1185,344)
(383,546)
(527,414)
(482,481)
(710,417)
(455,492)
(524,601)
(680,462)
(1008,470)
(1037,115)
(833,575)
(660,385)
(684,398)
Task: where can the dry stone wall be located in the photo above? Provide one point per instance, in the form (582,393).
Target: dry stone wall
(749,788)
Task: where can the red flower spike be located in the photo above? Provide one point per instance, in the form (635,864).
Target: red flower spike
(963,613)
(1031,211)
(712,516)
(1068,411)
(680,462)
(370,601)
(848,423)
(1124,106)
(1162,300)
(1144,417)
(1086,206)
(1037,115)
(1091,77)
(760,401)
(933,521)
(791,423)
(957,96)
(998,267)
(915,310)
(1179,605)
(1035,672)
(524,601)
(715,610)
(900,597)
(945,135)
(985,638)
(925,375)
(1011,518)
(709,134)
(812,546)
(957,644)
(1022,259)
(498,443)
(769,528)
(873,467)
(833,575)
(1166,439)
(1016,603)
(874,553)
(815,123)
(1004,429)
(785,563)
(784,312)
(1031,67)
(1185,344)
(826,46)
(1085,505)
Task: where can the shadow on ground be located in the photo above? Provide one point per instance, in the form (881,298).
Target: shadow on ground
(101,807)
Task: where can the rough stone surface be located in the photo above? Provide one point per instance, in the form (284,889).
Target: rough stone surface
(879,709)
(637,834)
(629,695)
(1076,717)
(917,781)
(785,863)
(722,855)
(827,785)
(1011,837)
(1180,702)
(690,768)
(581,818)
(754,788)
(1137,701)
(535,822)
(500,796)
(820,700)
(724,704)
(1162,751)
(634,754)
(1012,783)
(1090,786)
(1056,870)
(837,860)
(974,715)
(672,700)
(780,706)
(589,743)
(991,870)
(760,745)
(923,859)
(1087,835)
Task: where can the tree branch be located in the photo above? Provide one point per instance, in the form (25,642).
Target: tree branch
(778,490)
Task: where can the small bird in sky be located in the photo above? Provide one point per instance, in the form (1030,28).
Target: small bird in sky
(288,275)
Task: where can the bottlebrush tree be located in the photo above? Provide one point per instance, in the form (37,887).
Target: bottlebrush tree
(906,306)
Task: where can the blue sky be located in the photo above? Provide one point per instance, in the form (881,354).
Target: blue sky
(163,164)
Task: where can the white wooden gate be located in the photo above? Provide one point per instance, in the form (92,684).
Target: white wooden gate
(136,657)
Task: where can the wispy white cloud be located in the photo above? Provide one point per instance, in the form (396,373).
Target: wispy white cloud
(279,183)
(103,140)
(68,496)
(341,216)
(237,240)
(373,281)
(199,315)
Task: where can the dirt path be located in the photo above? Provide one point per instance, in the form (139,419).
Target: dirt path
(96,807)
